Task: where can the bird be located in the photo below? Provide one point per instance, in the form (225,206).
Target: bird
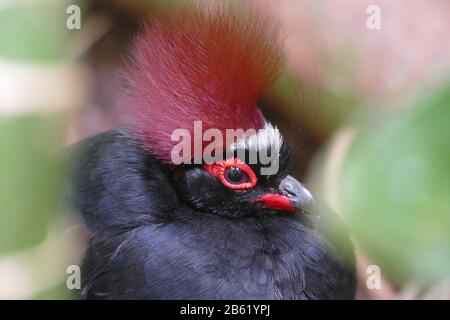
(188,228)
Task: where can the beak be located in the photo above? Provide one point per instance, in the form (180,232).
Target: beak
(292,197)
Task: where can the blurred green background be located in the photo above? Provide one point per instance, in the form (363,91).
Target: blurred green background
(33,44)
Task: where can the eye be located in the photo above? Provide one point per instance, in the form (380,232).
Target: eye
(233,173)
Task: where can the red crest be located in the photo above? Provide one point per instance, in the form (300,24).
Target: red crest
(198,65)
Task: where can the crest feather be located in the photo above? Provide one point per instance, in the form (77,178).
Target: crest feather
(209,65)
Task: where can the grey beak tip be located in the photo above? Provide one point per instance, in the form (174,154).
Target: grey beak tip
(300,197)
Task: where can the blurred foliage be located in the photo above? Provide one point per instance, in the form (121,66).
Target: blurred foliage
(395,188)
(31,179)
(33,32)
(32,35)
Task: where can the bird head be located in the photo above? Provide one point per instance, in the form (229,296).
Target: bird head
(236,186)
(211,66)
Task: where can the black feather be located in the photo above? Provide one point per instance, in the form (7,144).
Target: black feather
(159,233)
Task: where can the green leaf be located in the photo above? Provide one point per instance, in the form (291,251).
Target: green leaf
(395,189)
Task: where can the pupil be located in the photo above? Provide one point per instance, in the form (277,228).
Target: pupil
(235,175)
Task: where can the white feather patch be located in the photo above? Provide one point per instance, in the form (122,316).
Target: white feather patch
(268,138)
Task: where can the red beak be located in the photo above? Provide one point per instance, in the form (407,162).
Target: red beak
(293,197)
(276,202)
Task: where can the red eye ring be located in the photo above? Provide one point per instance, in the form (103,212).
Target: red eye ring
(217,169)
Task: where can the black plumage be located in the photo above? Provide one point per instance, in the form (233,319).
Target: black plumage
(166,232)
